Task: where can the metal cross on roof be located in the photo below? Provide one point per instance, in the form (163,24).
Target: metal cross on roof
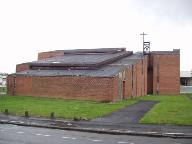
(146,45)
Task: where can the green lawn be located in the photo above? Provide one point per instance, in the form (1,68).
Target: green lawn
(68,109)
(170,110)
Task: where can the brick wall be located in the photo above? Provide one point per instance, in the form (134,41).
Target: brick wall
(10,85)
(44,55)
(22,67)
(145,74)
(128,83)
(155,74)
(166,74)
(81,88)
(134,77)
(136,80)
(139,79)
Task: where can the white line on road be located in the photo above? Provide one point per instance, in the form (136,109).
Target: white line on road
(46,135)
(65,137)
(123,142)
(95,140)
(38,134)
(73,138)
(20,132)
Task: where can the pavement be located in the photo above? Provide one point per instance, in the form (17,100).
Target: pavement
(122,122)
(13,134)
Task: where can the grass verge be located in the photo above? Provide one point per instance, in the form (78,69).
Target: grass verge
(68,109)
(170,110)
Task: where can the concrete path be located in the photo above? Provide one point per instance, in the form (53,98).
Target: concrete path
(130,114)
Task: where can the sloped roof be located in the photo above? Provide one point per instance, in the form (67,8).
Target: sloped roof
(81,60)
(107,70)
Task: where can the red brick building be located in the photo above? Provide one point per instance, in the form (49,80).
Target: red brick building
(108,74)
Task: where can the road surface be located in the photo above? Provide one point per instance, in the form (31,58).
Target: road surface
(12,134)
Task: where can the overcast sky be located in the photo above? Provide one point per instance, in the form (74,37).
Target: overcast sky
(31,26)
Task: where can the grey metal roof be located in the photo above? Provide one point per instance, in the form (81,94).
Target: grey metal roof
(107,62)
(109,70)
(94,50)
(80,59)
(98,50)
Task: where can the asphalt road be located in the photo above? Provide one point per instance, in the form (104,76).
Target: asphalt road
(12,134)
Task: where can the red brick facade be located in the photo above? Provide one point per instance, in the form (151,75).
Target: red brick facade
(22,67)
(136,80)
(153,74)
(82,88)
(45,55)
(166,74)
(11,85)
